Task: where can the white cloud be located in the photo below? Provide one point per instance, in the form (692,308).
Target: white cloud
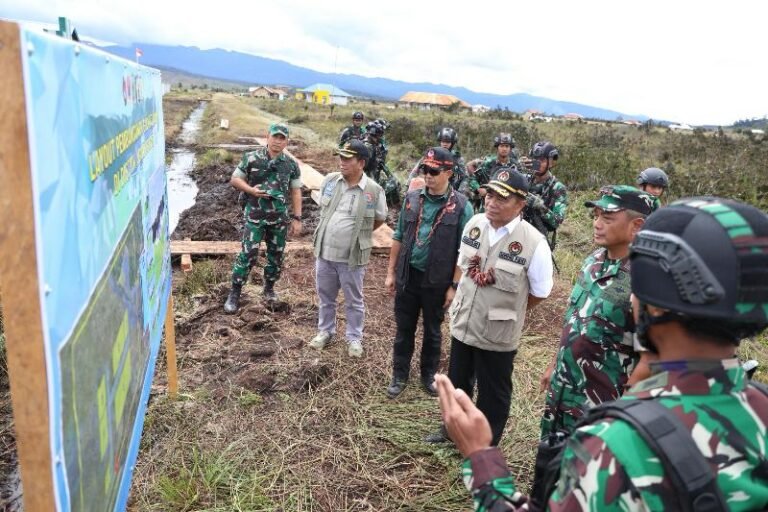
(678,60)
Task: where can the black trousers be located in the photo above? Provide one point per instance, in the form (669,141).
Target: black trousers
(408,303)
(493,373)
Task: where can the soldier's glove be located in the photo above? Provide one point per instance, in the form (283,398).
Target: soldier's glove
(535,202)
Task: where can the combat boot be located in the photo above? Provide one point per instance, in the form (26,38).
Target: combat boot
(233,300)
(269,291)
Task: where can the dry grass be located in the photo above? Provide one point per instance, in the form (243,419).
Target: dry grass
(266,423)
(176,109)
(308,430)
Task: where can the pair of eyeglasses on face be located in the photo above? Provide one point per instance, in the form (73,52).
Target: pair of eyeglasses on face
(431,171)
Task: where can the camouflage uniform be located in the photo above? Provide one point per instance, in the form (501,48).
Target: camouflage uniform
(351,132)
(596,355)
(607,465)
(555,197)
(485,171)
(265,218)
(377,153)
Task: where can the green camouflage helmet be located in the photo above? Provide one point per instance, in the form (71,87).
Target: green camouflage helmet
(704,257)
(614,198)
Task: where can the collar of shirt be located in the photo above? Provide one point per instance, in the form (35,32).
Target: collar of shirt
(692,377)
(434,198)
(609,267)
(494,235)
(360,184)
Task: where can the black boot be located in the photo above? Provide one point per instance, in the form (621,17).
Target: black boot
(233,301)
(396,387)
(269,291)
(428,383)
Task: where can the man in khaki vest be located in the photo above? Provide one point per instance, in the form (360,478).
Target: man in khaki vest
(352,207)
(504,268)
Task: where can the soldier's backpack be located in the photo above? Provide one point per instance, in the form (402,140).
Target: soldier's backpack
(668,438)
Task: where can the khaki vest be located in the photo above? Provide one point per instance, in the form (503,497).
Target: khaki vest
(362,238)
(492,317)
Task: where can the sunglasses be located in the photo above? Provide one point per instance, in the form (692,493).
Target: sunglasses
(431,171)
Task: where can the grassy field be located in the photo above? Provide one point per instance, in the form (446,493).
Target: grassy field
(301,430)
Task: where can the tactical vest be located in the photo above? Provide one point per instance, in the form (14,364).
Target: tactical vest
(443,245)
(492,317)
(362,238)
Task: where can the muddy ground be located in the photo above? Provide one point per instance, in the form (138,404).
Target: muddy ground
(215,215)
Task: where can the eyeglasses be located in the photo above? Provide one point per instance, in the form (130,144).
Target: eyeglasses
(431,171)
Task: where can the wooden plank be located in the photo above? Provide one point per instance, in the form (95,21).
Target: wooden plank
(170,349)
(19,281)
(382,241)
(186,262)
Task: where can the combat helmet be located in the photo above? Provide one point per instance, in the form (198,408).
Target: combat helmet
(358,116)
(653,176)
(503,138)
(447,134)
(374,128)
(706,259)
(544,148)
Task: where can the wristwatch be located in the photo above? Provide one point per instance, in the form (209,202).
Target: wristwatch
(296,217)
(455,285)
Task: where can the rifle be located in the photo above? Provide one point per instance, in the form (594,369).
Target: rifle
(391,185)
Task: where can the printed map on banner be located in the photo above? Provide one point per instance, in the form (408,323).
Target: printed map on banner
(98,165)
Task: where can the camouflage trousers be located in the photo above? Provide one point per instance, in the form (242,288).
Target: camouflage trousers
(586,374)
(273,234)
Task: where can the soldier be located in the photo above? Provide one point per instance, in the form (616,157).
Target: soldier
(353,131)
(377,154)
(548,199)
(504,269)
(447,138)
(654,181)
(482,170)
(421,267)
(711,413)
(596,354)
(267,176)
(352,207)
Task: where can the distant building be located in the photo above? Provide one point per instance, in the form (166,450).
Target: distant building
(682,127)
(536,115)
(262,91)
(323,94)
(757,131)
(573,117)
(480,108)
(430,100)
(632,122)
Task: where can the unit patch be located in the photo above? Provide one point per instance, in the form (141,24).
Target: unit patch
(515,247)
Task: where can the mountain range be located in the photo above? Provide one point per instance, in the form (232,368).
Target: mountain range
(246,68)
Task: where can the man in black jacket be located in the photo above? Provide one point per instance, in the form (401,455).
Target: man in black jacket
(422,262)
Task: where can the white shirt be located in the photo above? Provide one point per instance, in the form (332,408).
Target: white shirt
(540,279)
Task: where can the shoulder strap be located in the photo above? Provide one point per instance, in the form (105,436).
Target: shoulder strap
(671,441)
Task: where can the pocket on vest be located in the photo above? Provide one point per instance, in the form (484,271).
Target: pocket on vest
(501,322)
(508,278)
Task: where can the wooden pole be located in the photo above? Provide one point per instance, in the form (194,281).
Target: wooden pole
(22,310)
(170,349)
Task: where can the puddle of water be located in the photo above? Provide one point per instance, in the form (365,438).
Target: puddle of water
(182,190)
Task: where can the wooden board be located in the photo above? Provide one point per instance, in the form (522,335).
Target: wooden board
(20,286)
(382,241)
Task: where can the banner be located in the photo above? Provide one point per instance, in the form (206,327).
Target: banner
(97,155)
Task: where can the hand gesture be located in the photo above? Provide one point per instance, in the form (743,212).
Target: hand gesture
(466,425)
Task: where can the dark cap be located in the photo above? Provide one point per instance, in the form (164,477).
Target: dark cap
(508,181)
(614,198)
(278,129)
(353,148)
(438,158)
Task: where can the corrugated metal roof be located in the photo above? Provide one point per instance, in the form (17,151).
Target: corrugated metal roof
(432,98)
(332,89)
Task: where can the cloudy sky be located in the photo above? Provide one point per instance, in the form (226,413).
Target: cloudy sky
(695,62)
